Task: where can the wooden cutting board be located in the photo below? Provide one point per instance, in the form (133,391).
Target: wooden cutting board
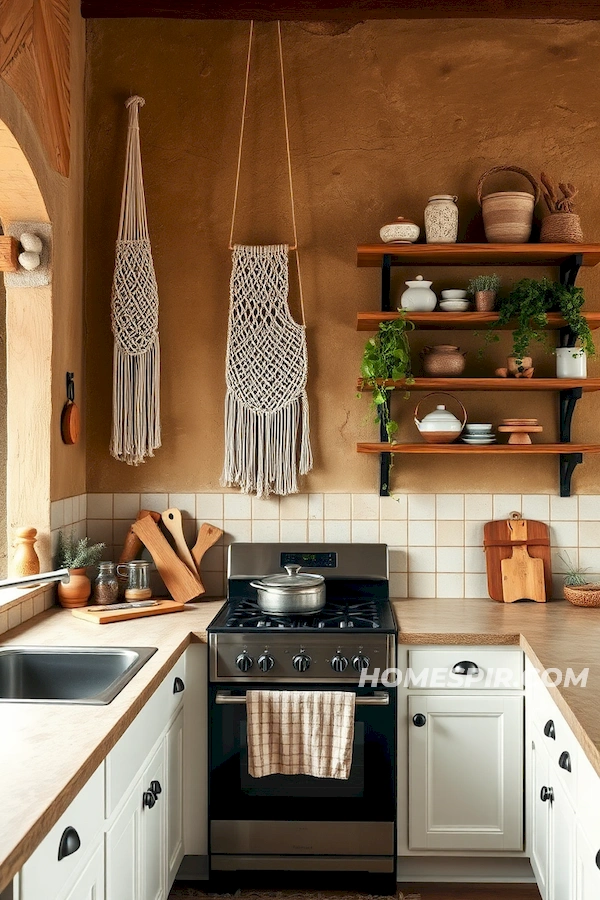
(179,581)
(522,574)
(498,546)
(106,616)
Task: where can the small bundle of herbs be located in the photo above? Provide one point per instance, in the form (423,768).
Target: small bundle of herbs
(77,553)
(386,357)
(528,305)
(483,283)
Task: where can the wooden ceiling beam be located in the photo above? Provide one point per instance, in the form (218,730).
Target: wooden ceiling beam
(334,10)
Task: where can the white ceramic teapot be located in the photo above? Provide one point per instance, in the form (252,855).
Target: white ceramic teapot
(440,426)
(418,297)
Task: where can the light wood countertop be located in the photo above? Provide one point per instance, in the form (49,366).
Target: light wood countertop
(47,753)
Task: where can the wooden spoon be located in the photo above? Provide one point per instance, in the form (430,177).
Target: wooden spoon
(173,522)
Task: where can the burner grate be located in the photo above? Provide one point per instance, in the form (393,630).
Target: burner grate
(337,614)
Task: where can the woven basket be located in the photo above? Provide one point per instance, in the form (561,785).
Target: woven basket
(582,594)
(561,228)
(507,215)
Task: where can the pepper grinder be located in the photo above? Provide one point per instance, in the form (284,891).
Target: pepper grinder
(25,560)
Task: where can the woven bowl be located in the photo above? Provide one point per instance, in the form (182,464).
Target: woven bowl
(582,594)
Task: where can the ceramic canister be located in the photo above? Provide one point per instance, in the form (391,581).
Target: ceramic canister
(443,361)
(441,219)
(418,297)
(402,231)
(571,362)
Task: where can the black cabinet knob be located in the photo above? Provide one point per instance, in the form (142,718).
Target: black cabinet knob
(178,686)
(564,761)
(598,859)
(550,730)
(148,799)
(69,843)
(155,788)
(547,793)
(464,667)
(419,720)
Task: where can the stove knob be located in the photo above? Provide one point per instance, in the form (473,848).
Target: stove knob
(301,662)
(361,662)
(244,662)
(265,662)
(338,663)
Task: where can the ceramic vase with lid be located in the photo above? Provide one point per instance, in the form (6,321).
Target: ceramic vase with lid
(440,426)
(418,297)
(402,231)
(441,219)
(443,361)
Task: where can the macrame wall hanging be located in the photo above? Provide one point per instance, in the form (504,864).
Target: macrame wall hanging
(134,314)
(266,408)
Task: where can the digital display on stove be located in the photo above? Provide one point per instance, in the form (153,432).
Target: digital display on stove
(310,560)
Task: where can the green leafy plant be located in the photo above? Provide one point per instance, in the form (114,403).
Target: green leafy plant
(528,305)
(574,575)
(387,357)
(484,283)
(77,553)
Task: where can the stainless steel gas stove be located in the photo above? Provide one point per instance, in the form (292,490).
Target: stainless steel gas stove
(299,822)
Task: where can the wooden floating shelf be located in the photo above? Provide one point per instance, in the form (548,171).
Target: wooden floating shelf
(491,384)
(477,254)
(9,254)
(434,321)
(532,449)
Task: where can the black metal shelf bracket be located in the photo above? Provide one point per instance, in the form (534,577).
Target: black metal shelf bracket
(385,459)
(568,461)
(567,403)
(569,269)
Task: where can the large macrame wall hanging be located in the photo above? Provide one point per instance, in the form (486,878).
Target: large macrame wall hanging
(134,312)
(266,408)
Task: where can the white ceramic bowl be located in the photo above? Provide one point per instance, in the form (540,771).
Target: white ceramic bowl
(454,294)
(454,305)
(476,428)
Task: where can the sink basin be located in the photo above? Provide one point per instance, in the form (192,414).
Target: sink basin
(81,675)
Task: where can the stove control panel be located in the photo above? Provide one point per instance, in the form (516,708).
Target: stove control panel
(292,658)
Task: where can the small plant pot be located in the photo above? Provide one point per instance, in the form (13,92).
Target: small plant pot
(571,362)
(77,592)
(582,594)
(485,301)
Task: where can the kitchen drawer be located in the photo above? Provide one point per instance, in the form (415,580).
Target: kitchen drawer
(125,760)
(556,736)
(44,875)
(439,667)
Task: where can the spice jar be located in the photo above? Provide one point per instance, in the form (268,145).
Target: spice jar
(137,573)
(106,586)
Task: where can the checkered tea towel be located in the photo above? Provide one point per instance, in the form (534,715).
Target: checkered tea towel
(300,733)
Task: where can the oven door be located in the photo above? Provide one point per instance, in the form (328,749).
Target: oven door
(286,817)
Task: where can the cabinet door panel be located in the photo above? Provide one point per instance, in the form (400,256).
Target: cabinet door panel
(466,773)
(174,797)
(123,849)
(90,884)
(152,831)
(588,873)
(562,843)
(540,814)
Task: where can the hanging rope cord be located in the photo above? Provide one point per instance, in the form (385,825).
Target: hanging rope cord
(288,154)
(133,221)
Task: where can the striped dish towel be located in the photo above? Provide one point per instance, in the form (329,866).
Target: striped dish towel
(300,733)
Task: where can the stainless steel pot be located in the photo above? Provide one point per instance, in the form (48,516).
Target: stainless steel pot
(291,594)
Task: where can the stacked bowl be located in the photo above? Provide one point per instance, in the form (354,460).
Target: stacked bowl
(454,300)
(478,434)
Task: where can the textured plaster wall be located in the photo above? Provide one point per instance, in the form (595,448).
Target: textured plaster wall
(380,118)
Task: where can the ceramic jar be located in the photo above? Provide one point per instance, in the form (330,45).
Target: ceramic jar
(440,426)
(571,362)
(402,231)
(77,591)
(485,301)
(441,219)
(25,560)
(418,297)
(443,361)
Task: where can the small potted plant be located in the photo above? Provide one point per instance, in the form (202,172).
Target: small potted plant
(578,590)
(76,554)
(484,289)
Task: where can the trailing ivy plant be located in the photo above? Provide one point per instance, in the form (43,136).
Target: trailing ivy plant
(387,357)
(528,305)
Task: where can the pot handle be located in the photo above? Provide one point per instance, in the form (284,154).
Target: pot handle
(442,394)
(518,170)
(257,585)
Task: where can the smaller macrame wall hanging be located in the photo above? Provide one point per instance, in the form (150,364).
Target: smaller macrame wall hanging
(134,313)
(267,439)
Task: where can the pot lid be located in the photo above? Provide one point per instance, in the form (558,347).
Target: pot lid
(452,197)
(418,282)
(442,417)
(293,581)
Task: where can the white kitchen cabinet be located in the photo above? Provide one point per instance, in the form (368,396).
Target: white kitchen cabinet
(122,843)
(465,772)
(587,874)
(562,844)
(539,813)
(90,884)
(174,796)
(153,817)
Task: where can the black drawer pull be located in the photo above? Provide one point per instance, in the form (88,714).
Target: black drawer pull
(598,859)
(178,685)
(148,799)
(69,843)
(564,761)
(464,667)
(549,729)
(155,788)
(419,720)
(547,793)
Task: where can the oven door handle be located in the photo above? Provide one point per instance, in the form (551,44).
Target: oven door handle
(379,698)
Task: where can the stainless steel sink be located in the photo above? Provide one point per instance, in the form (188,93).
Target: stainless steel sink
(80,675)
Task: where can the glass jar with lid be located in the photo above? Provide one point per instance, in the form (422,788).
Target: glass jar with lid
(106,586)
(137,573)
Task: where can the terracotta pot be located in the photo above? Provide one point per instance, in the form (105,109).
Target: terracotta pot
(517,367)
(443,361)
(485,301)
(77,591)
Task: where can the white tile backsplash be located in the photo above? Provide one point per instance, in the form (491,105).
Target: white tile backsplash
(237,506)
(421,506)
(365,506)
(450,506)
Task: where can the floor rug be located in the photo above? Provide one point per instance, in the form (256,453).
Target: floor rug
(187,893)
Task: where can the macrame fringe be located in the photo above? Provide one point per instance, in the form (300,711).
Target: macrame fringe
(261,447)
(136,404)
